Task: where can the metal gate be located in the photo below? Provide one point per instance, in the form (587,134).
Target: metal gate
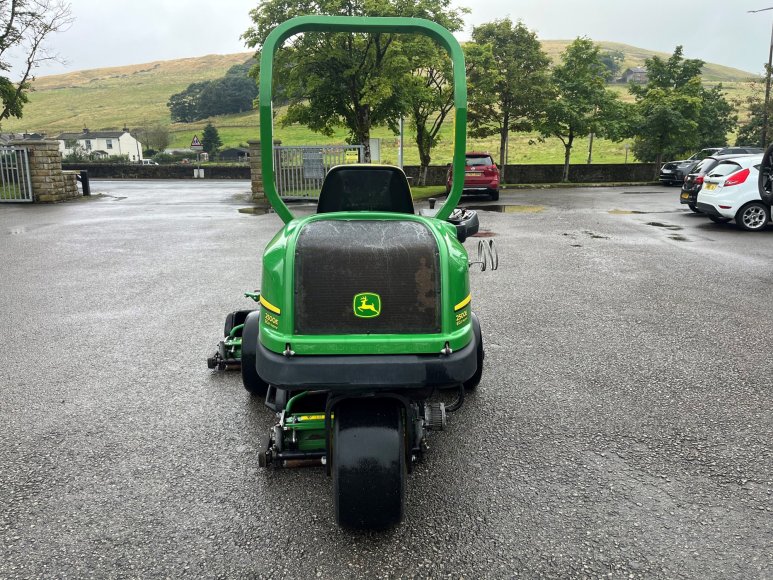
(15,184)
(299,170)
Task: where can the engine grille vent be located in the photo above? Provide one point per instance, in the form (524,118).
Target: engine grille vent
(336,260)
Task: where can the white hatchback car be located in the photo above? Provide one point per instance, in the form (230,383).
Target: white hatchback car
(730,192)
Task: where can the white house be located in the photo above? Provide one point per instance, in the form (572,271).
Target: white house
(101,144)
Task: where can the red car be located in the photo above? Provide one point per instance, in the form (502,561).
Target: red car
(481,175)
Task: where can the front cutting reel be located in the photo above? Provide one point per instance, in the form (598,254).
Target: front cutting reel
(229,350)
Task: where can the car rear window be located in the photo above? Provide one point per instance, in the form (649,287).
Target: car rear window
(724,168)
(479,160)
(704,166)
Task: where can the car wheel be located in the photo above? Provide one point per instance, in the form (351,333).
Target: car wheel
(753,217)
(693,207)
(494,194)
(719,220)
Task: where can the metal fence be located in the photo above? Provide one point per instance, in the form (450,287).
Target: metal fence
(299,170)
(15,184)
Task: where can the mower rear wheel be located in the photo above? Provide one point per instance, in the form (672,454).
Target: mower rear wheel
(368,463)
(235,319)
(474,380)
(250,377)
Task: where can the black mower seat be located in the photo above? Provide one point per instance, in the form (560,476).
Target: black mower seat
(365,188)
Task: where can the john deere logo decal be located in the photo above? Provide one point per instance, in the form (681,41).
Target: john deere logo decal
(367,305)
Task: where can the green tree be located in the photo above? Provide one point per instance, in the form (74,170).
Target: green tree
(184,106)
(24,27)
(750,129)
(210,139)
(511,94)
(429,94)
(343,79)
(581,103)
(675,113)
(718,117)
(612,59)
(233,93)
(153,136)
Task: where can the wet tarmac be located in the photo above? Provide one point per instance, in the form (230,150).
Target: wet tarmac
(622,429)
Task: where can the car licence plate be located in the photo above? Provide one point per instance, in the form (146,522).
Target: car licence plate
(474,173)
(709,186)
(685,195)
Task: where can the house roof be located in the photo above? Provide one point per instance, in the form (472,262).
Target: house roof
(92,135)
(635,69)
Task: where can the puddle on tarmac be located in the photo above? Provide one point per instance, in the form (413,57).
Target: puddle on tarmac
(625,212)
(595,236)
(512,208)
(666,226)
(678,238)
(483,234)
(639,192)
(255,210)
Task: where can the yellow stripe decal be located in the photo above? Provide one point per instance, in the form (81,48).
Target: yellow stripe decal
(463,303)
(269,306)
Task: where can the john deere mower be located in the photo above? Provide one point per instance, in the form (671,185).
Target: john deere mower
(365,311)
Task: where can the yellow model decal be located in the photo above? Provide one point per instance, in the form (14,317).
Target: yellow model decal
(463,303)
(271,321)
(269,306)
(462,317)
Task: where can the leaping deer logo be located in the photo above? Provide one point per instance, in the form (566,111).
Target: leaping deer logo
(367,305)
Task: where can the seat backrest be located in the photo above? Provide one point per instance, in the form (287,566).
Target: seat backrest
(365,188)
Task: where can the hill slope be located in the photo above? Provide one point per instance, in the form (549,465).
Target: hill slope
(136,95)
(113,97)
(635,56)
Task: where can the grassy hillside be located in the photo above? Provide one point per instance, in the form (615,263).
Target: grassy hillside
(111,97)
(635,56)
(136,95)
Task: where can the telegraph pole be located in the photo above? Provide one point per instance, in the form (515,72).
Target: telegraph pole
(767,84)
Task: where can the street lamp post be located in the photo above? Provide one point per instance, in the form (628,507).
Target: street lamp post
(767,84)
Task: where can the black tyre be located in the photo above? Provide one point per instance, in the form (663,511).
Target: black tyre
(250,377)
(494,194)
(474,380)
(693,207)
(235,319)
(368,463)
(719,220)
(753,217)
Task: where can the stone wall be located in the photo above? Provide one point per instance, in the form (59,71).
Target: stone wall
(136,171)
(580,173)
(256,169)
(436,174)
(49,183)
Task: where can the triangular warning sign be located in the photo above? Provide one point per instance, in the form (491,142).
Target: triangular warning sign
(195,142)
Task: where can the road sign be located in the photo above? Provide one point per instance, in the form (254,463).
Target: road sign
(196,144)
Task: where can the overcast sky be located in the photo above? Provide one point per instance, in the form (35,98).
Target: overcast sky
(110,33)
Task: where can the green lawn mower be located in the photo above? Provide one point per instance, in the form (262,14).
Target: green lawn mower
(365,312)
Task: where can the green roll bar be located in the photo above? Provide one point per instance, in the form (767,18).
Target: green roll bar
(361,24)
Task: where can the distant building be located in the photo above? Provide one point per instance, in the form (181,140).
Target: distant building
(234,154)
(101,144)
(6,138)
(636,75)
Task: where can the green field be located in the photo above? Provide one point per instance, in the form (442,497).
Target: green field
(133,96)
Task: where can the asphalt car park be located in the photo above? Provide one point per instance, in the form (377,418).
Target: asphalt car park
(622,427)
